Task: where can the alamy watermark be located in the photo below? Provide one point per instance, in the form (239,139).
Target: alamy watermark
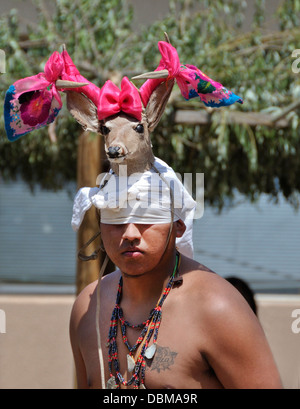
(296,63)
(296,322)
(2,322)
(2,62)
(152,190)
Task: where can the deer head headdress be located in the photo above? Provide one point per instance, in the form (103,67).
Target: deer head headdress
(125,116)
(34,102)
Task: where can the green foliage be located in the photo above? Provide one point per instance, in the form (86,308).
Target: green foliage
(255,65)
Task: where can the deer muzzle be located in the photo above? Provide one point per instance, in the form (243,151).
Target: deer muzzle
(114,152)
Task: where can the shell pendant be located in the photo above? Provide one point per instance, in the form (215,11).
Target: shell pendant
(150,351)
(130,363)
(111,383)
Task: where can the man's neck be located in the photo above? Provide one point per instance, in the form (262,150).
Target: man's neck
(143,291)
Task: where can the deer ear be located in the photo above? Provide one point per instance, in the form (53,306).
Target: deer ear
(83,110)
(157,103)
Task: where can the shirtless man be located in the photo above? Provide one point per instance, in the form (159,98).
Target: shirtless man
(208,337)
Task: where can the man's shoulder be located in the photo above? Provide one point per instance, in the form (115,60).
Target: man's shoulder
(88,294)
(197,274)
(82,301)
(208,290)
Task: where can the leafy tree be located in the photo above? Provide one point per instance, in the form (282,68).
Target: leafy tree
(257,65)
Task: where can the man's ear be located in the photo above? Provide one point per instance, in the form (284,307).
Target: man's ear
(180,228)
(83,110)
(157,103)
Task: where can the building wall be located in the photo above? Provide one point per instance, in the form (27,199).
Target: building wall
(278,316)
(35,351)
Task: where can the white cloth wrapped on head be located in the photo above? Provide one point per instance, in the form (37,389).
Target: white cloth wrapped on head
(142,198)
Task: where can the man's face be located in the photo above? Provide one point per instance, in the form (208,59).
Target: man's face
(138,248)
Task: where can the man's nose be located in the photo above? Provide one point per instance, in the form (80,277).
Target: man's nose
(131,232)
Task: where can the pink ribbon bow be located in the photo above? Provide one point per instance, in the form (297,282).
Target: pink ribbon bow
(71,73)
(112,100)
(169,61)
(42,81)
(183,73)
(191,81)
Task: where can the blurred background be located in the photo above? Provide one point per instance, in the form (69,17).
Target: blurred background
(249,155)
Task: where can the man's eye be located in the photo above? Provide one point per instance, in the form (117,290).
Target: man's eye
(140,128)
(104,130)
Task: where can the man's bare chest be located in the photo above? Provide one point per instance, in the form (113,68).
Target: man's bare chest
(176,364)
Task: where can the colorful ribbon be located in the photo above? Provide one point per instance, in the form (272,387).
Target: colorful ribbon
(33,102)
(191,81)
(112,100)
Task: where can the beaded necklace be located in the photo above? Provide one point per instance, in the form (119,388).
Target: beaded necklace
(148,328)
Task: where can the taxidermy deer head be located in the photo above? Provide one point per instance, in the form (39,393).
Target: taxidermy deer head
(122,120)
(124,117)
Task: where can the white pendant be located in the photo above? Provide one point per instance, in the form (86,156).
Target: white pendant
(111,383)
(130,363)
(150,351)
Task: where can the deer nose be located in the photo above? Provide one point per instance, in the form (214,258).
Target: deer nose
(113,151)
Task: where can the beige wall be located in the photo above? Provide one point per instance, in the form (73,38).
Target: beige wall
(35,350)
(275,314)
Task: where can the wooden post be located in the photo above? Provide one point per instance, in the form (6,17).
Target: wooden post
(89,166)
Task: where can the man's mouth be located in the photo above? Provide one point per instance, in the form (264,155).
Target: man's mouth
(132,252)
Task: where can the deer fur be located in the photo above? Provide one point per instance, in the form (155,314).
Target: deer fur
(126,140)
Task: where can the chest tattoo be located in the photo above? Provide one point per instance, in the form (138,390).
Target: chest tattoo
(163,360)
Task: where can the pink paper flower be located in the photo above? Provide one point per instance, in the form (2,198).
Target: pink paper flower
(36,110)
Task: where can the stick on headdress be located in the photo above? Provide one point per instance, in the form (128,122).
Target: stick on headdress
(34,102)
(190,79)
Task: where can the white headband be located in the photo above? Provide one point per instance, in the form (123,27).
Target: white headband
(140,198)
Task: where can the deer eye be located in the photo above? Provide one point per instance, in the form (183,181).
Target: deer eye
(104,130)
(139,128)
